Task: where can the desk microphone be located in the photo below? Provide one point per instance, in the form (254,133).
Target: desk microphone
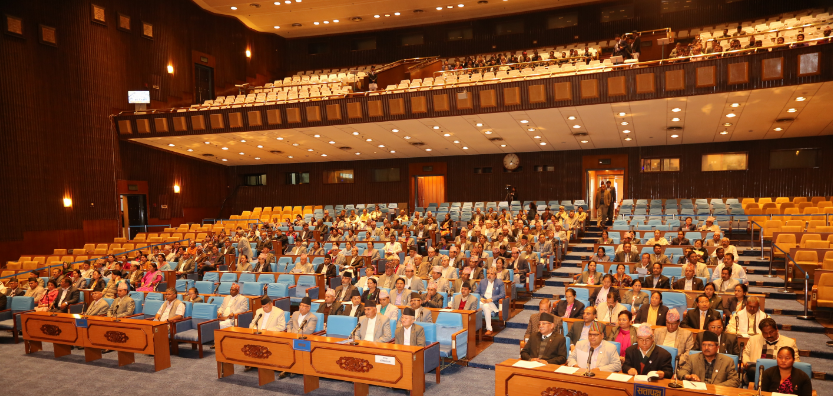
(302,336)
(672,282)
(353,335)
(257,329)
(675,384)
(760,378)
(740,373)
(589,373)
(116,318)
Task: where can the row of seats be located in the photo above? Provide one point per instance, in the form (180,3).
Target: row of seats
(761,25)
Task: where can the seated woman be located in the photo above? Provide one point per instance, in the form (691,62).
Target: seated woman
(605,238)
(502,273)
(738,301)
(49,297)
(624,333)
(97,283)
(152,277)
(620,278)
(715,300)
(316,249)
(590,276)
(653,313)
(601,255)
(784,377)
(372,292)
(193,296)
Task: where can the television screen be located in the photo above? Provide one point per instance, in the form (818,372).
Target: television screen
(138,96)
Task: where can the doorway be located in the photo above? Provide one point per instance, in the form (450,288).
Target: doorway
(134,215)
(428,189)
(594,177)
(203,83)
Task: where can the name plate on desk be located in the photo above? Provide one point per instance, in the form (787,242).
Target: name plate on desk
(301,345)
(81,323)
(647,390)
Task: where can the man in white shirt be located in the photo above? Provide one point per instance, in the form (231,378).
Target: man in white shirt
(658,239)
(726,284)
(604,357)
(491,292)
(268,317)
(413,282)
(86,271)
(171,309)
(234,304)
(729,262)
(374,327)
(747,321)
(409,333)
(710,226)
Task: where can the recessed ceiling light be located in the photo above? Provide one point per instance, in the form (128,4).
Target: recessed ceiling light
(451,6)
(626,131)
(621,114)
(316,136)
(170,144)
(225,148)
(277,3)
(627,139)
(623,123)
(259,146)
(326,22)
(355,134)
(394,130)
(241,153)
(323,155)
(257,158)
(234,8)
(502,145)
(358,153)
(427,149)
(190,149)
(800,99)
(456,142)
(530,129)
(480,124)
(280,138)
(407,137)
(290,156)
(309,149)
(727,124)
(277,27)
(460,5)
(393,151)
(791,111)
(376,16)
(225,159)
(332,142)
(674,136)
(730,115)
(396,13)
(571,118)
(381,146)
(439,8)
(576,126)
(536,137)
(242,140)
(335,20)
(465,148)
(295,144)
(288,2)
(368,140)
(724,132)
(207,142)
(488,132)
(676,109)
(585,141)
(436,127)
(543,143)
(735,104)
(446,134)
(779,129)
(315,23)
(524,121)
(387,15)
(675,119)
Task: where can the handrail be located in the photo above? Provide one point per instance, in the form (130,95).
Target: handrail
(511,65)
(752,225)
(424,63)
(787,260)
(401,61)
(667,30)
(768,31)
(97,258)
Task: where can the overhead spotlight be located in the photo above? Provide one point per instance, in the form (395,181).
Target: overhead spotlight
(727,124)
(295,144)
(355,134)
(676,109)
(225,148)
(224,160)
(277,3)
(242,140)
(376,16)
(315,23)
(779,129)
(335,20)
(171,144)
(456,142)
(465,148)
(207,142)
(318,136)
(436,127)
(576,126)
(439,8)
(479,124)
(674,136)
(626,131)
(621,114)
(730,115)
(735,104)
(502,145)
(326,22)
(623,123)
(309,149)
(170,69)
(543,143)
(288,2)
(358,153)
(241,153)
(368,140)
(407,137)
(387,15)
(290,156)
(446,134)
(257,158)
(234,8)
(524,121)
(627,139)
(675,119)
(396,14)
(381,146)
(724,132)
(530,129)
(800,99)
(323,155)
(393,152)
(488,132)
(791,111)
(248,53)
(460,5)
(427,149)
(585,141)
(451,6)
(190,150)
(394,130)
(259,146)
(536,137)
(277,27)
(571,118)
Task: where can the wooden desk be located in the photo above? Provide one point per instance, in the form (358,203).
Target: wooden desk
(510,381)
(469,323)
(690,295)
(127,336)
(272,351)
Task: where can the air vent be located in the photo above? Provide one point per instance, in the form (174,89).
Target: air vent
(417,11)
(356,19)
(495,139)
(417,144)
(785,120)
(255,5)
(345,148)
(276,152)
(580,134)
(208,155)
(296,25)
(674,128)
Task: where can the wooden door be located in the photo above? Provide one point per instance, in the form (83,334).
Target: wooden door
(430,189)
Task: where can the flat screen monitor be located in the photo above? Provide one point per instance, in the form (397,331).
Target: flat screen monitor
(138,96)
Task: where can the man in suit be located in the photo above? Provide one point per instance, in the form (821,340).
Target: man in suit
(433,299)
(604,355)
(612,190)
(569,307)
(373,327)
(656,280)
(123,305)
(658,256)
(646,356)
(385,308)
(701,317)
(635,297)
(409,333)
(545,306)
(36,291)
(300,248)
(689,282)
(330,305)
(268,317)
(578,331)
(67,296)
(605,201)
(13,288)
(306,234)
(421,314)
(680,240)
(172,309)
(344,291)
(355,308)
(234,304)
(226,249)
(726,343)
(673,336)
(388,279)
(437,279)
(545,345)
(327,268)
(280,237)
(626,255)
(301,322)
(701,270)
(726,284)
(185,265)
(98,306)
(465,300)
(491,292)
(710,366)
(412,282)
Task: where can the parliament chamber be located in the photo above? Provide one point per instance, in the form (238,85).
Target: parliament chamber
(508,197)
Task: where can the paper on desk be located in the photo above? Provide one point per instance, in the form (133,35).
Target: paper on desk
(446,310)
(640,378)
(694,385)
(619,377)
(566,370)
(528,364)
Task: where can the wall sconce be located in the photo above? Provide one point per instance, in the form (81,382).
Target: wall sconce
(67,202)
(170,69)
(248,53)
(176,188)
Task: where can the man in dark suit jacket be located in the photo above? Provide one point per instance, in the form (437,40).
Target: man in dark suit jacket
(626,255)
(701,316)
(546,346)
(280,237)
(67,296)
(695,283)
(575,311)
(227,249)
(642,315)
(656,280)
(305,234)
(577,329)
(658,359)
(327,268)
(727,343)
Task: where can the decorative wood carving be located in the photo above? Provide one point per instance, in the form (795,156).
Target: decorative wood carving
(50,330)
(116,336)
(553,391)
(256,351)
(353,364)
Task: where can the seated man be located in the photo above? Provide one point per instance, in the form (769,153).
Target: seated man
(355,308)
(764,345)
(710,366)
(545,345)
(726,343)
(13,288)
(185,265)
(673,336)
(330,305)
(303,266)
(626,255)
(464,300)
(569,307)
(579,330)
(726,284)
(747,321)
(605,357)
(544,306)
(656,280)
(658,256)
(441,283)
(610,309)
(729,262)
(646,356)
(67,296)
(701,317)
(123,305)
(701,270)
(413,282)
(491,292)
(689,282)
(234,304)
(301,322)
(327,268)
(433,299)
(268,317)
(373,327)
(171,309)
(98,306)
(658,239)
(408,332)
(681,240)
(387,309)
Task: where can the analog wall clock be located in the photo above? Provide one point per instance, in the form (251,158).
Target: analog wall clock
(511,161)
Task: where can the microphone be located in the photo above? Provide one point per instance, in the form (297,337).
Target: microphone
(116,318)
(589,373)
(760,378)
(737,324)
(675,384)
(740,373)
(257,319)
(353,335)
(302,336)
(672,282)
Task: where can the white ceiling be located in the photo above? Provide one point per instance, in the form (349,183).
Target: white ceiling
(702,118)
(307,12)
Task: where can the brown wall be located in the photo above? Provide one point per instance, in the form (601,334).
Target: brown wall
(57,138)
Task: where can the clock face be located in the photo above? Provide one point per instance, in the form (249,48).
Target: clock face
(510,161)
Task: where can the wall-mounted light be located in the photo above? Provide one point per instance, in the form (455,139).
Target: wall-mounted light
(248,53)
(67,202)
(170,69)
(176,188)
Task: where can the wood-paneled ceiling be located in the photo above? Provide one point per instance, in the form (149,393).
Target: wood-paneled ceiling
(318,17)
(702,119)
